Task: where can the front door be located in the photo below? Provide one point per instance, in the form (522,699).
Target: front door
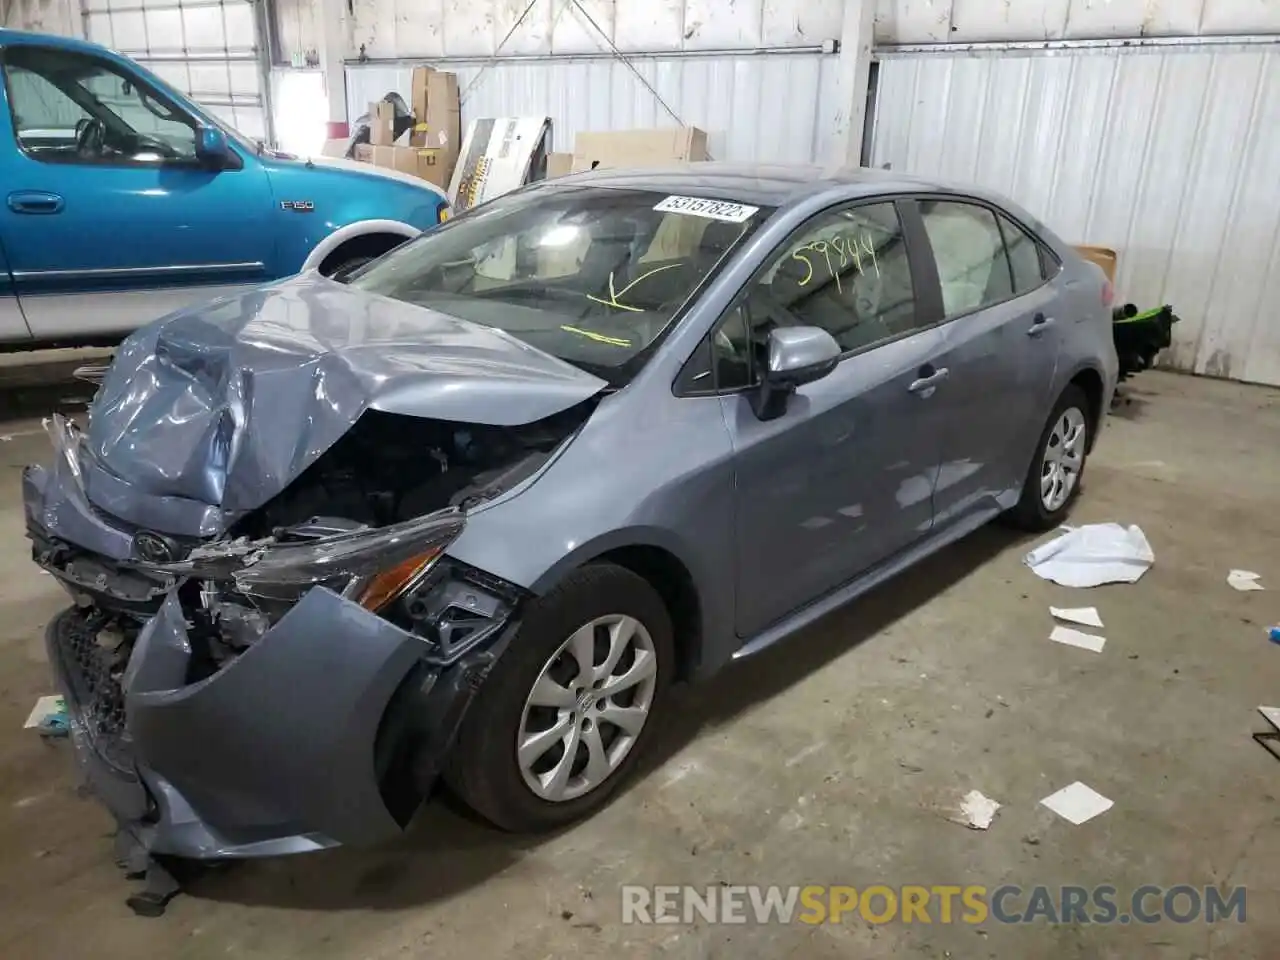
(108,216)
(844,478)
(1000,348)
(13,327)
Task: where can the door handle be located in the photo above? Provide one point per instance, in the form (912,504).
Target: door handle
(1039,324)
(35,201)
(927,377)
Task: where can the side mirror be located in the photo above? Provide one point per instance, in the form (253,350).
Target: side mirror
(794,356)
(212,148)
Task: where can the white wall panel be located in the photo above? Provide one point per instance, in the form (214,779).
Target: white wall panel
(390,29)
(43,16)
(735,99)
(980,21)
(1240,16)
(1168,157)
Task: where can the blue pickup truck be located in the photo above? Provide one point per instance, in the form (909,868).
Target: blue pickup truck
(123,200)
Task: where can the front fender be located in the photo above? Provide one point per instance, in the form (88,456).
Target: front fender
(360,228)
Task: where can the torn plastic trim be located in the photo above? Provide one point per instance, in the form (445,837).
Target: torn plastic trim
(67,440)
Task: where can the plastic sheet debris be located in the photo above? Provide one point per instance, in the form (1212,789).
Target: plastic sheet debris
(1078,638)
(976,811)
(1092,555)
(1077,803)
(1244,580)
(1084,616)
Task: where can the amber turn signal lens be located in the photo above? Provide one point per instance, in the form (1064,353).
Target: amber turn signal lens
(390,583)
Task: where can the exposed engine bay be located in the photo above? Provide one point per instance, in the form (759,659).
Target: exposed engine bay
(387,472)
(389,468)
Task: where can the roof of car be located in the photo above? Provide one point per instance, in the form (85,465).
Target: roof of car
(771,185)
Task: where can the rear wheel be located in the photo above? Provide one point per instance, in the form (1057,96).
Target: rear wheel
(1053,481)
(564,712)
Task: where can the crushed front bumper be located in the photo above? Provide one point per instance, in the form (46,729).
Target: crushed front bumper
(329,729)
(299,744)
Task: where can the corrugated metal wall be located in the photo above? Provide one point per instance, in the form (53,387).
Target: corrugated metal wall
(1170,157)
(753,107)
(475,28)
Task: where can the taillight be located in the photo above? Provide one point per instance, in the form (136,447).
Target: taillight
(1108,293)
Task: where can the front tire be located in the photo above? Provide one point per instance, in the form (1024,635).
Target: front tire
(1053,480)
(567,708)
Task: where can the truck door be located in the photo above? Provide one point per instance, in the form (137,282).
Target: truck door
(12,325)
(109,218)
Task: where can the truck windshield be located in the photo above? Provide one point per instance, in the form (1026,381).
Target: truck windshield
(591,274)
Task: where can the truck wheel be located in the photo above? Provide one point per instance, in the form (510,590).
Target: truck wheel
(345,268)
(355,253)
(564,712)
(1053,480)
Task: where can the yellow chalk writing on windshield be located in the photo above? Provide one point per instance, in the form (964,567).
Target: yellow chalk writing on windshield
(598,337)
(613,296)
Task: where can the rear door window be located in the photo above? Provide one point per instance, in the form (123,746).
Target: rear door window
(1024,257)
(973,268)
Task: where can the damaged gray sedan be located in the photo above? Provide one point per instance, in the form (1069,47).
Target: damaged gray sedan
(470,513)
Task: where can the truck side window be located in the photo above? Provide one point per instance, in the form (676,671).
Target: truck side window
(71,108)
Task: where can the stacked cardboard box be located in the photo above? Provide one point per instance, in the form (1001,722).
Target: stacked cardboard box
(638,148)
(432,150)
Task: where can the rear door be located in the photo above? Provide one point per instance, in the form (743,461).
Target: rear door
(1000,349)
(108,217)
(843,479)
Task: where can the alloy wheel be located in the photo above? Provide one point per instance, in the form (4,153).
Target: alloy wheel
(1063,459)
(587,708)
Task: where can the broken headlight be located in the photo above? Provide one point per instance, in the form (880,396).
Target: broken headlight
(371,566)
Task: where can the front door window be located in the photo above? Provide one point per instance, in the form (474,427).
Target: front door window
(73,108)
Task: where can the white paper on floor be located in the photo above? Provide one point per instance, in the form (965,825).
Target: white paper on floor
(1085,616)
(1244,580)
(1094,554)
(1078,638)
(976,811)
(1077,803)
(1272,715)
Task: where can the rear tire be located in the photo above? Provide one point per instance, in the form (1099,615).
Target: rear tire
(1054,478)
(545,742)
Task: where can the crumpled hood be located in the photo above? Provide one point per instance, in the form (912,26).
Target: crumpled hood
(209,413)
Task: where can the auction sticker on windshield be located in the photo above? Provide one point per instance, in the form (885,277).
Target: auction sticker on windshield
(711,209)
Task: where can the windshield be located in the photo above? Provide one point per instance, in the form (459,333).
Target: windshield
(592,275)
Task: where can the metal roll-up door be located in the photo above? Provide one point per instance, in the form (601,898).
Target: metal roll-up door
(211,50)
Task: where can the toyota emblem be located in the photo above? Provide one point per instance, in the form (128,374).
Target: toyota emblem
(153,547)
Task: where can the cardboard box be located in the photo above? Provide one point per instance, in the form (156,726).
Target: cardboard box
(424,163)
(638,148)
(559,164)
(1104,257)
(437,112)
(381,123)
(335,148)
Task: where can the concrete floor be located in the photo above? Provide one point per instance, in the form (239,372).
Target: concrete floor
(832,760)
